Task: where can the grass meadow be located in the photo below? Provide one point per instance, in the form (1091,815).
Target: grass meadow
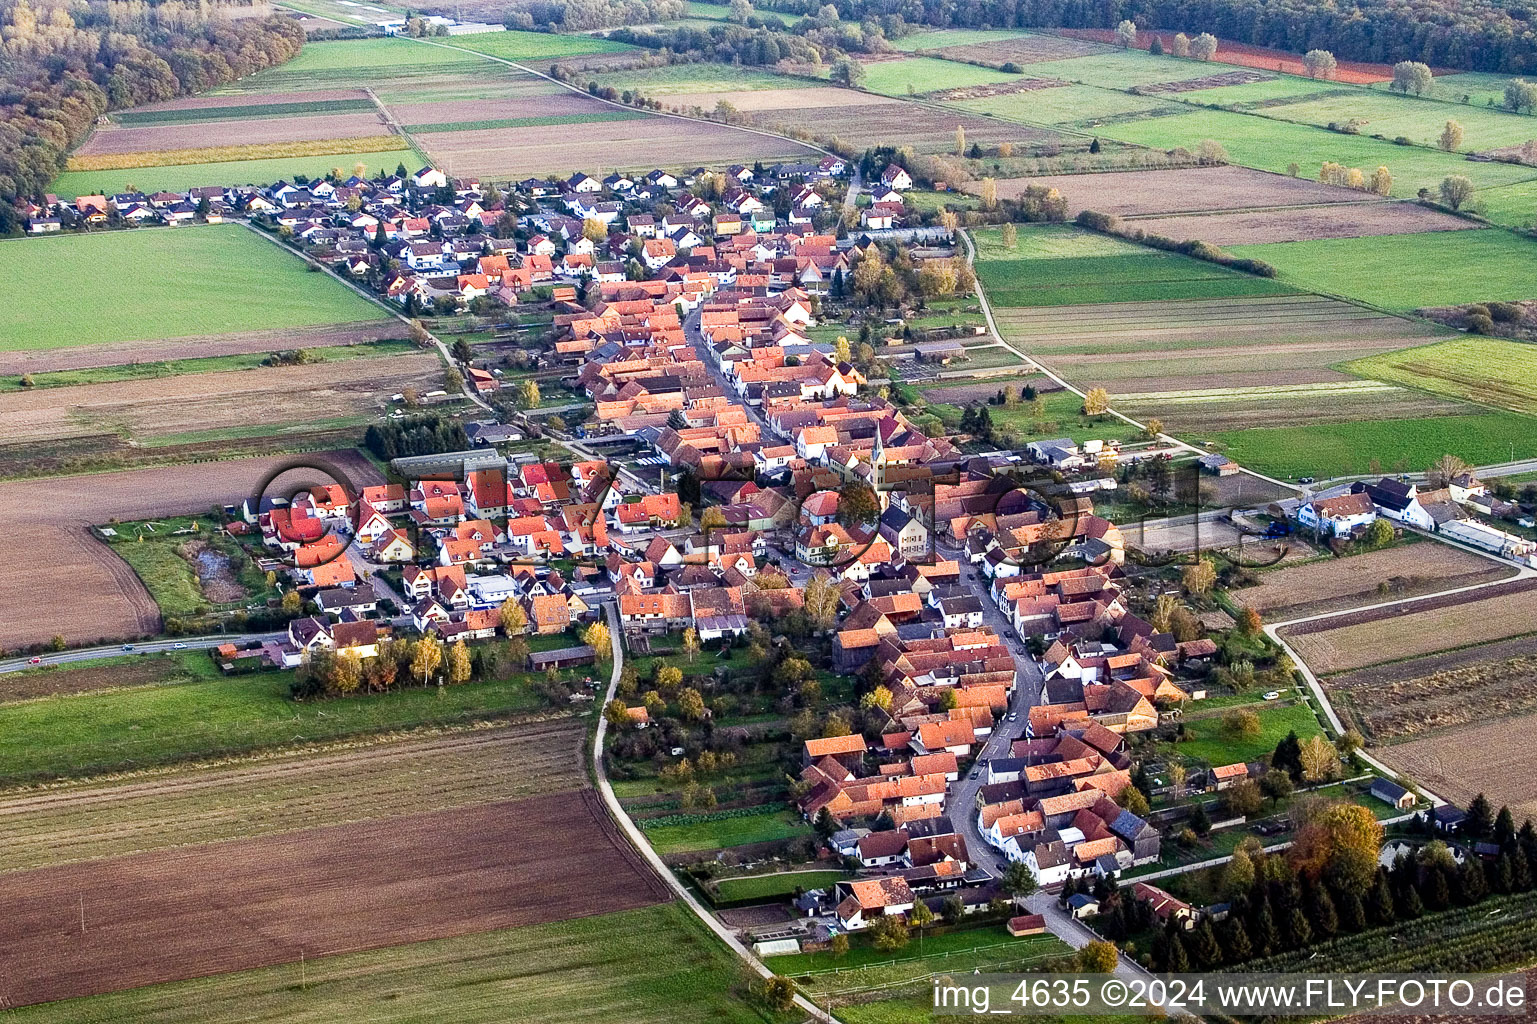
(1214,747)
(1489,371)
(1122,278)
(1064,105)
(238,112)
(655,965)
(1403,272)
(163,283)
(716,830)
(769,886)
(534,45)
(926,74)
(181,177)
(1326,450)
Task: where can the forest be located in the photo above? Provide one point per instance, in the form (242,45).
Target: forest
(1473,35)
(65,65)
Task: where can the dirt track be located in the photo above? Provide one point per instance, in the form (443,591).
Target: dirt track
(230,906)
(71,584)
(239,343)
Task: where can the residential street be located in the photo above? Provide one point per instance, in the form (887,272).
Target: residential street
(191,643)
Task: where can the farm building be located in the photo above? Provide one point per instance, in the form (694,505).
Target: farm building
(564,657)
(1392,794)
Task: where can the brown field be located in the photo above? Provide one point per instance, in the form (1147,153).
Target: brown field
(197,346)
(978,92)
(1276,408)
(1500,768)
(49,521)
(260,99)
(290,790)
(51,682)
(446,111)
(1186,190)
(1024,50)
(209,909)
(359,124)
(1248,55)
(1418,628)
(663,142)
(190,403)
(1441,691)
(1207,82)
(899,122)
(1333,584)
(1337,221)
(754,100)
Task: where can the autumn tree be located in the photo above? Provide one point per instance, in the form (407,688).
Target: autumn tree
(1162,619)
(889,933)
(527,395)
(426,656)
(1180,46)
(292,604)
(821,600)
(1319,64)
(1339,843)
(880,697)
(1199,577)
(1203,46)
(1242,798)
(1444,470)
(513,618)
(1009,236)
(419,335)
(1320,761)
(1096,402)
(1126,34)
(1382,181)
(741,10)
(988,192)
(691,644)
(1451,137)
(857,504)
(1411,76)
(1098,957)
(618,714)
(1520,95)
(841,350)
(691,704)
(459,664)
(597,637)
(1249,621)
(847,72)
(1241,724)
(920,916)
(960,140)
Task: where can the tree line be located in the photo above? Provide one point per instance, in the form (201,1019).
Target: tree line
(419,435)
(62,67)
(1478,35)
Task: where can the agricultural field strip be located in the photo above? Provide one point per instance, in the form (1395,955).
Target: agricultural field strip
(288,791)
(240,112)
(1488,371)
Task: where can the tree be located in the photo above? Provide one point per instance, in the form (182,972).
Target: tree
(426,656)
(1009,236)
(1155,47)
(880,697)
(1096,402)
(857,504)
(1018,880)
(617,714)
(960,140)
(1203,46)
(1249,621)
(847,72)
(838,946)
(1242,799)
(1238,875)
(841,350)
(889,933)
(527,396)
(1200,823)
(1455,190)
(1412,76)
(597,637)
(1379,534)
(821,598)
(514,619)
(1339,842)
(1133,801)
(292,604)
(1382,181)
(1098,957)
(741,10)
(1177,778)
(1444,470)
(460,666)
(1199,577)
(669,678)
(419,335)
(1180,46)
(779,993)
(1520,96)
(1320,762)
(1319,64)
(1126,34)
(1162,619)
(920,916)
(1451,137)
(691,704)
(989,193)
(1235,940)
(1276,786)
(1480,821)
(691,644)
(1240,724)
(1288,756)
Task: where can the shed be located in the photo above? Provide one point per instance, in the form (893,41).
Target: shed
(1027,924)
(564,657)
(1393,794)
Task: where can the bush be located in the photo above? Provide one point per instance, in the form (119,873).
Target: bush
(1504,312)
(1480,323)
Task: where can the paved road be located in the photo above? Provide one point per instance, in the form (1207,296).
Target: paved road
(192,643)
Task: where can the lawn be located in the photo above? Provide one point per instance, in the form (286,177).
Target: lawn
(181,177)
(97,732)
(1068,104)
(1062,419)
(768,886)
(163,283)
(1402,272)
(942,947)
(1484,370)
(1262,142)
(1280,87)
(1213,747)
(1135,277)
(927,74)
(534,45)
(656,965)
(204,364)
(1052,241)
(1327,450)
(717,830)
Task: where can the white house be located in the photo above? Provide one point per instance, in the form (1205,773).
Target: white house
(1339,516)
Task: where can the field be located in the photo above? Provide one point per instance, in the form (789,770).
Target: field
(1337,221)
(287,790)
(1484,370)
(1130,193)
(1340,449)
(592,970)
(674,79)
(181,177)
(1068,104)
(719,830)
(937,39)
(163,284)
(1332,584)
(925,127)
(264,399)
(1121,69)
(1513,205)
(1411,117)
(926,74)
(769,886)
(1245,55)
(1128,277)
(534,45)
(1415,629)
(1500,766)
(52,523)
(1405,700)
(231,131)
(209,909)
(1440,268)
(1215,747)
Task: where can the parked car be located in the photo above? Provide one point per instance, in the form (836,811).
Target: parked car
(1304,479)
(1273,695)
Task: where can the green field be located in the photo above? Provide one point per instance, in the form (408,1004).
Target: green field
(1065,105)
(926,74)
(163,283)
(934,39)
(207,364)
(1420,120)
(768,886)
(1328,450)
(156,559)
(1052,241)
(1211,746)
(1118,278)
(181,177)
(1513,205)
(656,965)
(392,53)
(686,78)
(1121,69)
(1261,142)
(209,716)
(709,832)
(534,45)
(1280,87)
(1478,86)
(1488,371)
(239,112)
(1401,272)
(1063,419)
